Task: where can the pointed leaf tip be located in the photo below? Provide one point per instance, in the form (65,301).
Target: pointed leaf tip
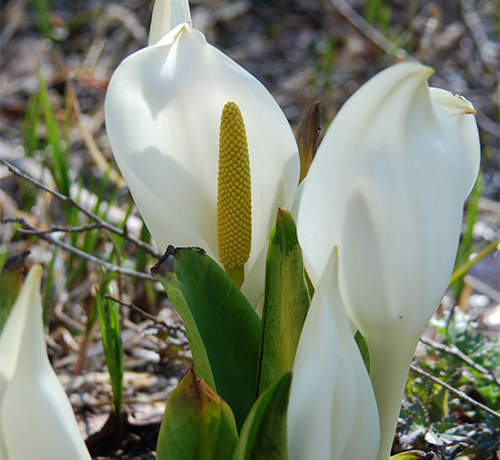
(307,136)
(264,433)
(197,423)
(286,300)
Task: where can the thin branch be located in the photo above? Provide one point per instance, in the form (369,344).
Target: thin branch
(146,315)
(458,393)
(105,225)
(461,271)
(60,228)
(455,351)
(67,247)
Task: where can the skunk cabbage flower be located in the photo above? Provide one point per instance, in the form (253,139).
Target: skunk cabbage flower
(163,110)
(36,418)
(387,187)
(332,413)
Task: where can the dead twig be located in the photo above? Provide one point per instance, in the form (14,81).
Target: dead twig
(456,392)
(173,327)
(61,228)
(103,224)
(67,247)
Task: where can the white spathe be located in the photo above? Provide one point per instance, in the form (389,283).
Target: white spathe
(387,187)
(36,417)
(332,413)
(163,109)
(167,14)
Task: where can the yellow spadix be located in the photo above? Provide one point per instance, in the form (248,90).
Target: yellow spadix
(234,194)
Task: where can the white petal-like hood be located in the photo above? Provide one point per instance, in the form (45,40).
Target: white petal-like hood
(462,116)
(37,420)
(387,187)
(163,110)
(332,413)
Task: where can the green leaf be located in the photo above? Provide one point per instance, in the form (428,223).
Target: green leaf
(197,425)
(48,288)
(222,327)
(42,14)
(109,322)
(286,301)
(60,159)
(263,435)
(413,455)
(467,238)
(363,349)
(32,120)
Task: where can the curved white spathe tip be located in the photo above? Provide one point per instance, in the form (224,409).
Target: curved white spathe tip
(332,413)
(37,419)
(452,104)
(387,186)
(461,113)
(167,14)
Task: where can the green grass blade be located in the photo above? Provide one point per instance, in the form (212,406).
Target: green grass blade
(31,122)
(461,271)
(468,234)
(48,287)
(109,323)
(42,13)
(60,161)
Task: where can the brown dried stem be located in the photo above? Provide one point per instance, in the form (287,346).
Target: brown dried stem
(102,223)
(76,251)
(145,314)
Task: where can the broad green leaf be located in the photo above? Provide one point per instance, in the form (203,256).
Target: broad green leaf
(11,282)
(197,425)
(286,301)
(263,436)
(222,327)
